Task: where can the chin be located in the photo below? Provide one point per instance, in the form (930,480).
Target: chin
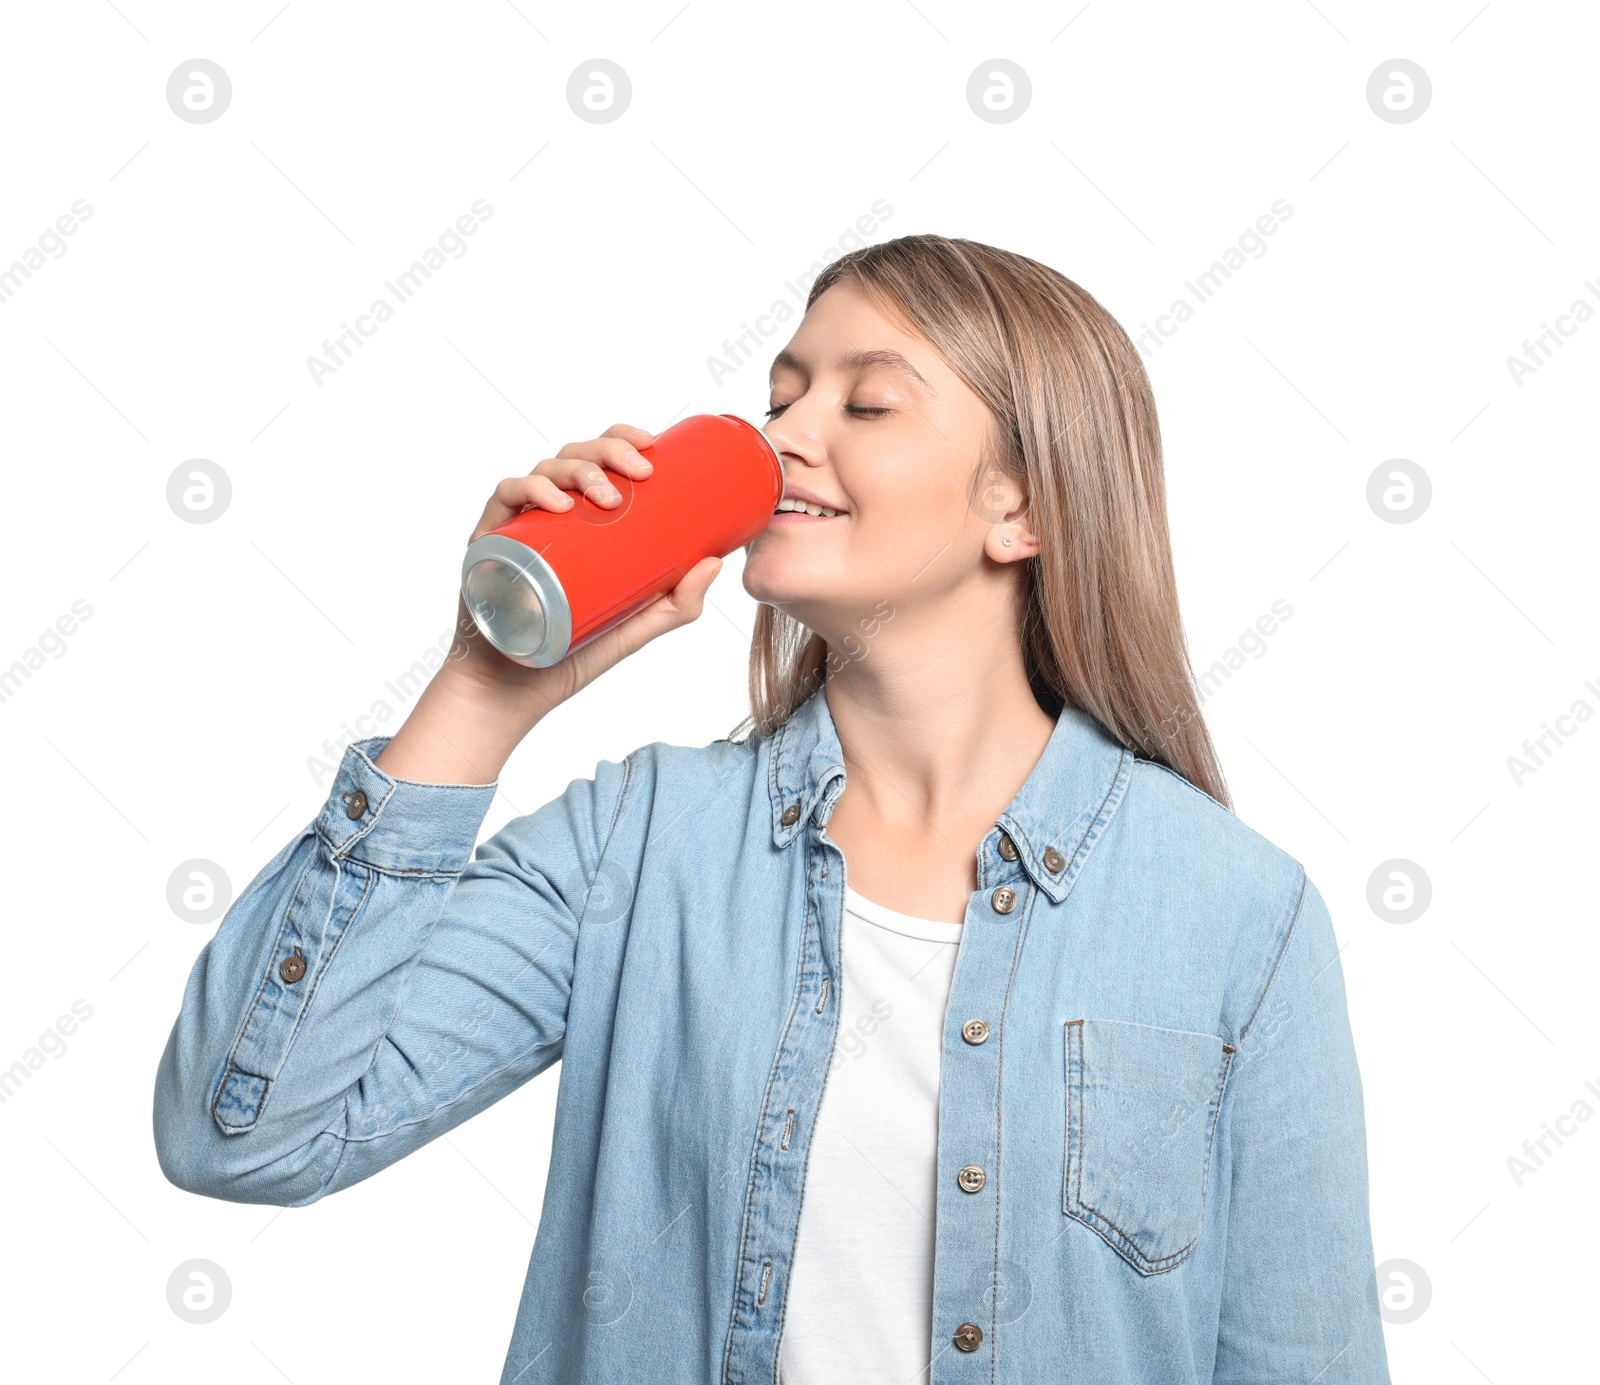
(779,583)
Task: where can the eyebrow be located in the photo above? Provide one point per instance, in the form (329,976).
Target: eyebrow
(858,360)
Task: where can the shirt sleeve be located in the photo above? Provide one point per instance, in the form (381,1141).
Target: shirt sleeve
(373,987)
(1299,1293)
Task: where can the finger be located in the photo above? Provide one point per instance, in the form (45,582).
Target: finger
(577,474)
(515,493)
(686,600)
(536,488)
(614,452)
(639,437)
(694,585)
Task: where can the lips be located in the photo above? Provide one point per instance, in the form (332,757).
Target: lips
(786,519)
(801,505)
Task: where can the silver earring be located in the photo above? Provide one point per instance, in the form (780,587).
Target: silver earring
(1006,542)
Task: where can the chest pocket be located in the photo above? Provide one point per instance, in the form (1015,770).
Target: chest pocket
(1142,1106)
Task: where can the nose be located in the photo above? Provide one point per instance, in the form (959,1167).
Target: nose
(791,449)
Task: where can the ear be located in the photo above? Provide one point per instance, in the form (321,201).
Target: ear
(1012,525)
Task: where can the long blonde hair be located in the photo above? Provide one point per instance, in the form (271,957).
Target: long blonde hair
(1075,421)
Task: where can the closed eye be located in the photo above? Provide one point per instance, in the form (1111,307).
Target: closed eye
(861,410)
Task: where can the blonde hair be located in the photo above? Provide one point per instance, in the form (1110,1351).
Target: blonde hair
(1075,422)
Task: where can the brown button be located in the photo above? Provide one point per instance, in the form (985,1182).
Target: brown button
(1008,848)
(291,969)
(975,1031)
(791,815)
(355,804)
(1053,860)
(970,1178)
(1004,899)
(968,1337)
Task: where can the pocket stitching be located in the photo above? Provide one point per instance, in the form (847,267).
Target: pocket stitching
(1097,1221)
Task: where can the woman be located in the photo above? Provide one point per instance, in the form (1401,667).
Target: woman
(1021,1060)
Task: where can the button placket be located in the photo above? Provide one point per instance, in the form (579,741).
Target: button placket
(968,1127)
(773,1196)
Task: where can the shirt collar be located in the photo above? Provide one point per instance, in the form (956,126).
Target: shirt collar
(1058,815)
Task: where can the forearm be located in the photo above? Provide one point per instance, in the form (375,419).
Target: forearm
(460,732)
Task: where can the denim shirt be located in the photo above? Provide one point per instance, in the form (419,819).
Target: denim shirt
(1146,1051)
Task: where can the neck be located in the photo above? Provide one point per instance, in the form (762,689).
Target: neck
(934,727)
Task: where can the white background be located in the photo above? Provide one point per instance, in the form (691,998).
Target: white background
(182,719)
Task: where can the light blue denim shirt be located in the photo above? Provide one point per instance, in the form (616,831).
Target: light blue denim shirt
(1162,1092)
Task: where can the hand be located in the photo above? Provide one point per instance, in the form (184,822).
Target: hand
(578,466)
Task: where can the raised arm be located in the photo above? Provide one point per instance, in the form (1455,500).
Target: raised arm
(377,983)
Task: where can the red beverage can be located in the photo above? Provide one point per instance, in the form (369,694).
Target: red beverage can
(547,582)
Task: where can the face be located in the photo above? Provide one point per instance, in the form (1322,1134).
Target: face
(871,423)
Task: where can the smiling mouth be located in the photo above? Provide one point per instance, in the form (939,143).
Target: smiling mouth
(800,509)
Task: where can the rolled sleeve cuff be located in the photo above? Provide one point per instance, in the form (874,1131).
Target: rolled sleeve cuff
(404,825)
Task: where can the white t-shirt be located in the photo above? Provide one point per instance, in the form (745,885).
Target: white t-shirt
(860,1299)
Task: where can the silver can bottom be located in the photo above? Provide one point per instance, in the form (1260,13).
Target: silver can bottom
(516,600)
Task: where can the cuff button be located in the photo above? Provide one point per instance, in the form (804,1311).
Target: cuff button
(355,804)
(291,969)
